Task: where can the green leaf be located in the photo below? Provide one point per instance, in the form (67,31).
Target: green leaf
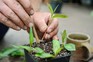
(59,50)
(50,9)
(64,36)
(5,52)
(17,53)
(56,47)
(31,36)
(44,55)
(59,16)
(28,48)
(70,47)
(38,50)
(55,8)
(2,56)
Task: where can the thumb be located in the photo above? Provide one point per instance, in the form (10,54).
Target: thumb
(41,25)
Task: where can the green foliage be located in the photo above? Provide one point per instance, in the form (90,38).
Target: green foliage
(56,46)
(53,15)
(55,8)
(64,36)
(38,50)
(50,9)
(40,53)
(24,47)
(70,47)
(19,52)
(44,55)
(6,52)
(31,37)
(59,16)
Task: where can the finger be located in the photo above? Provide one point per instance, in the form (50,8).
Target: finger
(52,26)
(19,10)
(55,37)
(41,25)
(8,22)
(11,15)
(27,5)
(50,35)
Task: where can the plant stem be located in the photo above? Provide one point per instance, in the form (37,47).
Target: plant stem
(36,35)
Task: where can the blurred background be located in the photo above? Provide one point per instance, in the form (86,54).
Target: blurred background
(80,19)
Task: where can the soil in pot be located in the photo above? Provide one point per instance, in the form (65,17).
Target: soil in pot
(63,56)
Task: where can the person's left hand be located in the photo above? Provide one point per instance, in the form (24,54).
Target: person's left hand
(40,20)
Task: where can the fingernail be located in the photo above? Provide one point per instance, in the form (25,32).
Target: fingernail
(25,28)
(43,28)
(30,24)
(31,12)
(18,28)
(49,30)
(47,36)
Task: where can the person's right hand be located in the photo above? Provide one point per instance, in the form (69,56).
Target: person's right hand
(15,13)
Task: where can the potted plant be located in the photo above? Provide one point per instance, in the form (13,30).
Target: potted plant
(51,51)
(55,3)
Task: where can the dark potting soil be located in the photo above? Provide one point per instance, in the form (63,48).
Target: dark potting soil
(47,47)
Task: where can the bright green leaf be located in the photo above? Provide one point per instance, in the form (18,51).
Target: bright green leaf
(28,48)
(31,36)
(56,46)
(50,9)
(64,36)
(38,50)
(2,56)
(70,47)
(5,52)
(59,50)
(59,16)
(44,55)
(17,53)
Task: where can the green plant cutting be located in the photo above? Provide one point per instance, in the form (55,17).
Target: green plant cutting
(56,46)
(53,15)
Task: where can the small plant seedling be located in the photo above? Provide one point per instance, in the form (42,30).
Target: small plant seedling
(55,15)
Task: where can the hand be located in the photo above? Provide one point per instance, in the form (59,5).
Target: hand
(15,13)
(40,21)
